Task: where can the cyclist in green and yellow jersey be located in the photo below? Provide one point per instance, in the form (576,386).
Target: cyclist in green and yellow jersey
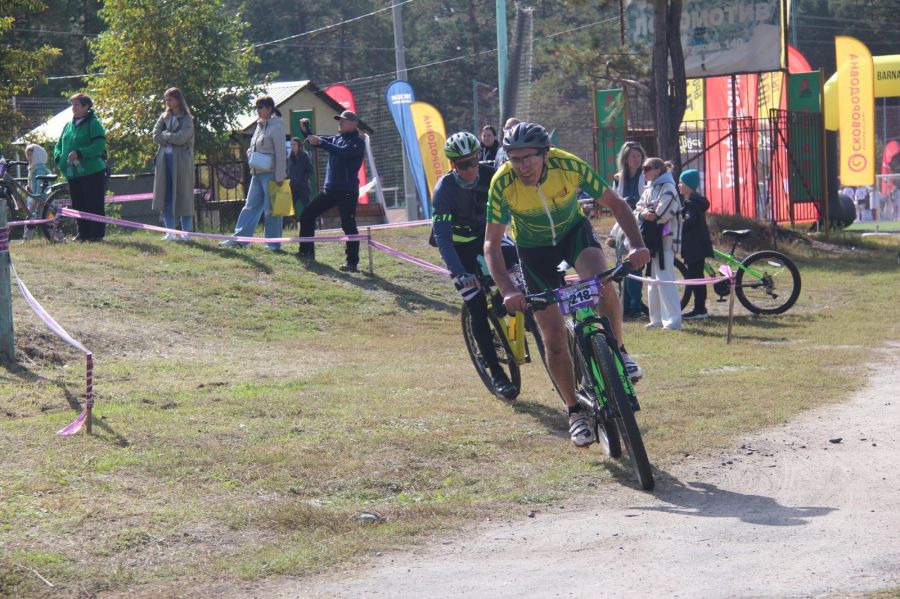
(536,192)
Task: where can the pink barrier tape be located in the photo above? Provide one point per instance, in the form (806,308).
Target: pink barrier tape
(136,197)
(409,258)
(415,223)
(22,223)
(133,225)
(706,281)
(54,326)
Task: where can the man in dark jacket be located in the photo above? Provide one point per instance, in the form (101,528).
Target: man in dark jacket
(696,244)
(345,156)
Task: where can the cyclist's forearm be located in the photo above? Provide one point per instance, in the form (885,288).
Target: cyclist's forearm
(493,255)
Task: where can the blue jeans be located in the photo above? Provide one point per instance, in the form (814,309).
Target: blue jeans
(631,297)
(168,213)
(258,203)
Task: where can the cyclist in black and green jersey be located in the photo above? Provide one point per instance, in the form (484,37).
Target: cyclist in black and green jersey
(460,198)
(536,192)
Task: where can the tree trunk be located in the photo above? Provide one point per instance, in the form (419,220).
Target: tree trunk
(668,101)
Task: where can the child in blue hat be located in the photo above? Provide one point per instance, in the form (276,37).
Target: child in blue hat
(696,244)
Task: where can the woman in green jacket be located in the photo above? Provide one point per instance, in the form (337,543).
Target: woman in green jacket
(79,156)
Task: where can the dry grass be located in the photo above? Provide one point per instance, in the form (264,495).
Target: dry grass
(248,409)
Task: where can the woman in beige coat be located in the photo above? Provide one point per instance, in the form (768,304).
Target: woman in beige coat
(173,184)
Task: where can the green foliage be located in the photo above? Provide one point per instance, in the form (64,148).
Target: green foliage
(151,45)
(873,22)
(21,67)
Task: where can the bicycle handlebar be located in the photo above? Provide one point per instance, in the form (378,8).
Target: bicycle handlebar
(548,297)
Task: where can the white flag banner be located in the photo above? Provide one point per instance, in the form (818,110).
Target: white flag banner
(719,37)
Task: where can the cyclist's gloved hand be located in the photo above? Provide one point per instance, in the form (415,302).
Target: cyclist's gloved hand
(465,280)
(515,301)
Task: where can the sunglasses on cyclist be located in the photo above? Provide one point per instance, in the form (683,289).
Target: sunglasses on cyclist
(648,168)
(464,165)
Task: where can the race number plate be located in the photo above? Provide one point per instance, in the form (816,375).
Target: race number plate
(580,295)
(518,279)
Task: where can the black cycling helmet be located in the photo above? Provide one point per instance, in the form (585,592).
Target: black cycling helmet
(526,135)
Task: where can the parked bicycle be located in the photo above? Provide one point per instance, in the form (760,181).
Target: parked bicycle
(507,330)
(45,204)
(765,282)
(603,386)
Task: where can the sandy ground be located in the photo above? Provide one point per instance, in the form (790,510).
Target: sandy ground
(789,512)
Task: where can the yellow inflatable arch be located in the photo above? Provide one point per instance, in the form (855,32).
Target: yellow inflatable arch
(887,85)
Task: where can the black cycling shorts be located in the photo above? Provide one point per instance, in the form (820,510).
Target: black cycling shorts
(539,265)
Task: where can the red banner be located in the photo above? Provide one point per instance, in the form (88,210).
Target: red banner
(344,97)
(891,150)
(730,119)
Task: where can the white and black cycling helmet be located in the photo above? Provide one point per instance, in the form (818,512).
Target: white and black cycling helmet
(461,144)
(526,135)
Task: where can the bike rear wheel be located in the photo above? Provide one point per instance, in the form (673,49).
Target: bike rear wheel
(501,346)
(61,228)
(775,291)
(622,412)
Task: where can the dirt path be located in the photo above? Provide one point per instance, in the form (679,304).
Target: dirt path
(786,513)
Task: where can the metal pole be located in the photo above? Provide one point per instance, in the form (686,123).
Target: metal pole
(793,9)
(501,56)
(7,335)
(409,193)
(736,167)
(475,106)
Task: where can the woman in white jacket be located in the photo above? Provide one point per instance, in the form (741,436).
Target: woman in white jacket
(661,203)
(268,140)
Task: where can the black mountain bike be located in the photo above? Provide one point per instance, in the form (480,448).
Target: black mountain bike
(45,204)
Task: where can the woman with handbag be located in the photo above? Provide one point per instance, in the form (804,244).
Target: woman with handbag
(173,183)
(659,213)
(267,157)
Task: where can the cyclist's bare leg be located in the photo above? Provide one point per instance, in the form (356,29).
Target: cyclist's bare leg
(590,262)
(559,359)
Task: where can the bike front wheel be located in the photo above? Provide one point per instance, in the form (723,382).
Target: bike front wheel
(61,228)
(622,412)
(767,282)
(501,346)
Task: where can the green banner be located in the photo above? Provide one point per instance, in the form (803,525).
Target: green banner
(611,129)
(806,160)
(295,117)
(805,92)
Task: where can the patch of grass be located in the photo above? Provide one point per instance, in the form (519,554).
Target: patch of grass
(249,408)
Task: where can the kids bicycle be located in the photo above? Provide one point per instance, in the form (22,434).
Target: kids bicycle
(507,331)
(766,282)
(602,385)
(45,204)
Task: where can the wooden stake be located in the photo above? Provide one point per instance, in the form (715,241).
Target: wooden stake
(7,336)
(369,247)
(730,310)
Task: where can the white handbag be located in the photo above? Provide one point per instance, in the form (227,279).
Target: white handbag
(260,161)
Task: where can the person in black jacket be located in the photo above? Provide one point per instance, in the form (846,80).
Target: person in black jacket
(696,244)
(489,144)
(299,172)
(345,156)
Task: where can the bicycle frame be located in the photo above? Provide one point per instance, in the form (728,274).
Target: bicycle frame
(733,263)
(512,327)
(586,324)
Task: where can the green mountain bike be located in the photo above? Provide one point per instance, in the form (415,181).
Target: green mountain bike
(766,282)
(603,386)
